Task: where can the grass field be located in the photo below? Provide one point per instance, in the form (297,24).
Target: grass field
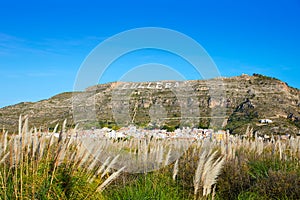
(33,166)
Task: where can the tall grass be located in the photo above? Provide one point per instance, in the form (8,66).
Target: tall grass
(233,168)
(33,166)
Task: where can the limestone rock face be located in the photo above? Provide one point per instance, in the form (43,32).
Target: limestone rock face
(229,103)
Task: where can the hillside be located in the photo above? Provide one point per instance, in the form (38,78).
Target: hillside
(228,103)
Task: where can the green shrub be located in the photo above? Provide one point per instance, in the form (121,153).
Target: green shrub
(279,185)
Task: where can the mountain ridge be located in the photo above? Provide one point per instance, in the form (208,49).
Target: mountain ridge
(242,99)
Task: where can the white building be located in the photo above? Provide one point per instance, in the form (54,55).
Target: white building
(265,121)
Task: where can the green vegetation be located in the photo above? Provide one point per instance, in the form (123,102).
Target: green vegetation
(168,128)
(263,77)
(40,167)
(252,170)
(154,185)
(33,166)
(100,124)
(260,174)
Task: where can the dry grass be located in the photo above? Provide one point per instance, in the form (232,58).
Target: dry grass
(34,166)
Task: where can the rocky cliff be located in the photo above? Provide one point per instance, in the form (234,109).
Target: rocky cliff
(228,103)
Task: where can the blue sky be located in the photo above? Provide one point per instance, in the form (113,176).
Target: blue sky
(43,43)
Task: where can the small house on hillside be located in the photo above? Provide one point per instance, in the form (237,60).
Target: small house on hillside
(265,121)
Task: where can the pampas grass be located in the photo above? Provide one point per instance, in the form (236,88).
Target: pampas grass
(33,166)
(210,178)
(110,166)
(199,171)
(175,170)
(109,180)
(208,169)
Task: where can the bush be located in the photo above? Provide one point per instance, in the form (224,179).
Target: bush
(279,185)
(234,180)
(168,128)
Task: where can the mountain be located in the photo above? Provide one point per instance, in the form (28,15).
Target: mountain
(228,103)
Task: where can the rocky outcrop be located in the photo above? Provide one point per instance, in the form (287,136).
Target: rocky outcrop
(233,103)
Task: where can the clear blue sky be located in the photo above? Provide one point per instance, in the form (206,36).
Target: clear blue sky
(43,43)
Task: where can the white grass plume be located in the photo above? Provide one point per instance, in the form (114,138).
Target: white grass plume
(111,164)
(199,171)
(55,128)
(4,141)
(64,126)
(4,157)
(109,180)
(175,170)
(20,125)
(168,157)
(100,169)
(211,178)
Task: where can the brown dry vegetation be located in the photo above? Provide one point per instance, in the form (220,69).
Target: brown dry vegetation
(34,166)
